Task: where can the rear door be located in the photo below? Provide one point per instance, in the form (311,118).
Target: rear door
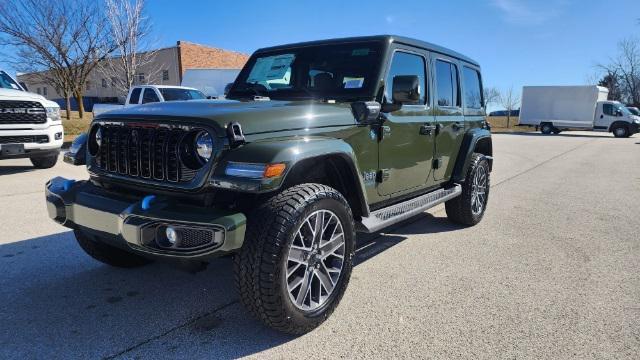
(405,152)
(448,113)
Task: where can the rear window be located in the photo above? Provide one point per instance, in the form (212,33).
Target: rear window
(176,94)
(472,88)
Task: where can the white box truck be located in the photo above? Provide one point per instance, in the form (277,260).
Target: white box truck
(556,108)
(30,125)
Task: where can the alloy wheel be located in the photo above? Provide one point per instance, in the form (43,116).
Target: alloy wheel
(479,191)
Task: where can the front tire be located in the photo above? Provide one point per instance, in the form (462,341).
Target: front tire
(620,131)
(108,254)
(44,162)
(546,128)
(469,207)
(297,258)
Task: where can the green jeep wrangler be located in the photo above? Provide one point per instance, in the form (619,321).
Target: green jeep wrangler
(315,141)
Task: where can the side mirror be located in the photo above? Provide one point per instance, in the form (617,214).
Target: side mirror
(366,112)
(618,113)
(405,89)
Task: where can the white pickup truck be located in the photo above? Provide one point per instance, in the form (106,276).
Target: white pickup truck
(30,125)
(145,94)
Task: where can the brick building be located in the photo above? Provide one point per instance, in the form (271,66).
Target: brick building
(167,68)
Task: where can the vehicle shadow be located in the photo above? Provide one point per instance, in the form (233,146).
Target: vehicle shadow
(58,302)
(15,169)
(564,134)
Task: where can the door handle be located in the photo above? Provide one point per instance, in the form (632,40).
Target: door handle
(426,129)
(456,126)
(601,116)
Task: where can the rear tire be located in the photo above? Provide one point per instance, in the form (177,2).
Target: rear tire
(108,254)
(280,256)
(620,131)
(546,128)
(469,207)
(44,162)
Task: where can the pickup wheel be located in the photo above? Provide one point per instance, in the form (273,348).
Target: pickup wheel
(546,128)
(620,131)
(297,258)
(108,254)
(44,162)
(469,207)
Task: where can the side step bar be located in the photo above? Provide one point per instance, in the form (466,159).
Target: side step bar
(390,215)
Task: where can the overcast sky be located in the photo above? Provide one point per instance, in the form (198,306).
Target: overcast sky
(517,42)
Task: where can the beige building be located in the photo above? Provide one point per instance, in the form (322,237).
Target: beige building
(167,68)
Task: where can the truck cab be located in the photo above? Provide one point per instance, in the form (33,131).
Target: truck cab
(30,125)
(613,116)
(146,94)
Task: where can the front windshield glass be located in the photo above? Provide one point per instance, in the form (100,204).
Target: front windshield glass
(176,94)
(336,71)
(634,111)
(6,82)
(623,109)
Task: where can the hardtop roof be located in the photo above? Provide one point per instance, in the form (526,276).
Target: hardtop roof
(390,38)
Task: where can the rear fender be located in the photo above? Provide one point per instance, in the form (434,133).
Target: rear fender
(475,140)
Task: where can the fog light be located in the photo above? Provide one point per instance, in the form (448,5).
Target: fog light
(58,136)
(172,235)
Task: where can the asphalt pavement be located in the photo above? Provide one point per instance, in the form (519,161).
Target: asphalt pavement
(551,272)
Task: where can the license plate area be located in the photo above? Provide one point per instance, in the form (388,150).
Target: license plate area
(11,149)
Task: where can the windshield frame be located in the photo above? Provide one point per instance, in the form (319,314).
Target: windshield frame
(6,77)
(239,90)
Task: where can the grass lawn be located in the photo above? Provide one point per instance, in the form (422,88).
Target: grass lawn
(499,124)
(75,126)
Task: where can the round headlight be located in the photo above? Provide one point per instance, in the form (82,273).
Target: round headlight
(98,136)
(204,145)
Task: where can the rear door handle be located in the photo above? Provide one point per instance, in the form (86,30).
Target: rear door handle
(426,129)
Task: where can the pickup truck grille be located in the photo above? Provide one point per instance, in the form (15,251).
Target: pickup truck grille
(38,139)
(142,152)
(22,112)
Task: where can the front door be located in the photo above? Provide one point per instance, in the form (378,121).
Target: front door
(448,116)
(605,116)
(405,152)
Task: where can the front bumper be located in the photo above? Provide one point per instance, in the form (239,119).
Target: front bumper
(32,149)
(131,224)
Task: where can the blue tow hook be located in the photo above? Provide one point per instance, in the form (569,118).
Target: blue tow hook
(67,184)
(146,201)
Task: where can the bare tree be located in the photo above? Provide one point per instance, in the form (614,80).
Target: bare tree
(491,96)
(626,68)
(509,100)
(130,30)
(68,38)
(612,82)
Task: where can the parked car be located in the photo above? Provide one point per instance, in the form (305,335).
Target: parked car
(30,125)
(554,108)
(514,113)
(145,94)
(634,110)
(285,172)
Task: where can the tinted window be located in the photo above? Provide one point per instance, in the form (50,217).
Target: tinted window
(135,96)
(176,94)
(608,109)
(6,82)
(472,88)
(149,96)
(406,64)
(447,83)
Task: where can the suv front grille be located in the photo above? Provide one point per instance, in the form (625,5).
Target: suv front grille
(38,139)
(142,152)
(22,112)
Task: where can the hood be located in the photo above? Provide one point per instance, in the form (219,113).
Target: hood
(10,94)
(255,116)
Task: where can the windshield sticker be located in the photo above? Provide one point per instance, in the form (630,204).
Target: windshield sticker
(353,83)
(271,68)
(360,52)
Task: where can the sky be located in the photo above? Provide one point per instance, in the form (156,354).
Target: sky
(517,42)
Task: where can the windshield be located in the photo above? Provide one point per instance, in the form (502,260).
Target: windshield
(335,71)
(176,94)
(634,111)
(623,109)
(6,82)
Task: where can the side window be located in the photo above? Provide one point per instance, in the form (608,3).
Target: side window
(608,109)
(149,96)
(447,84)
(406,64)
(135,96)
(472,88)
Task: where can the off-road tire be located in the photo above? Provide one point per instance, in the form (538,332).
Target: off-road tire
(620,131)
(546,128)
(459,209)
(260,266)
(108,254)
(45,162)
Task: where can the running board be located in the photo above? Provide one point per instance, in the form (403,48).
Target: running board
(390,215)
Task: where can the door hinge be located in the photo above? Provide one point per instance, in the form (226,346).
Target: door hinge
(382,175)
(437,163)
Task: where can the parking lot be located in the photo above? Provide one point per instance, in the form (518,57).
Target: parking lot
(551,272)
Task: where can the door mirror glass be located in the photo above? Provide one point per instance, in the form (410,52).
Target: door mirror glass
(406,89)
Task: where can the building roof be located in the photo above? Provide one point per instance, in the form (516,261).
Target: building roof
(390,38)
